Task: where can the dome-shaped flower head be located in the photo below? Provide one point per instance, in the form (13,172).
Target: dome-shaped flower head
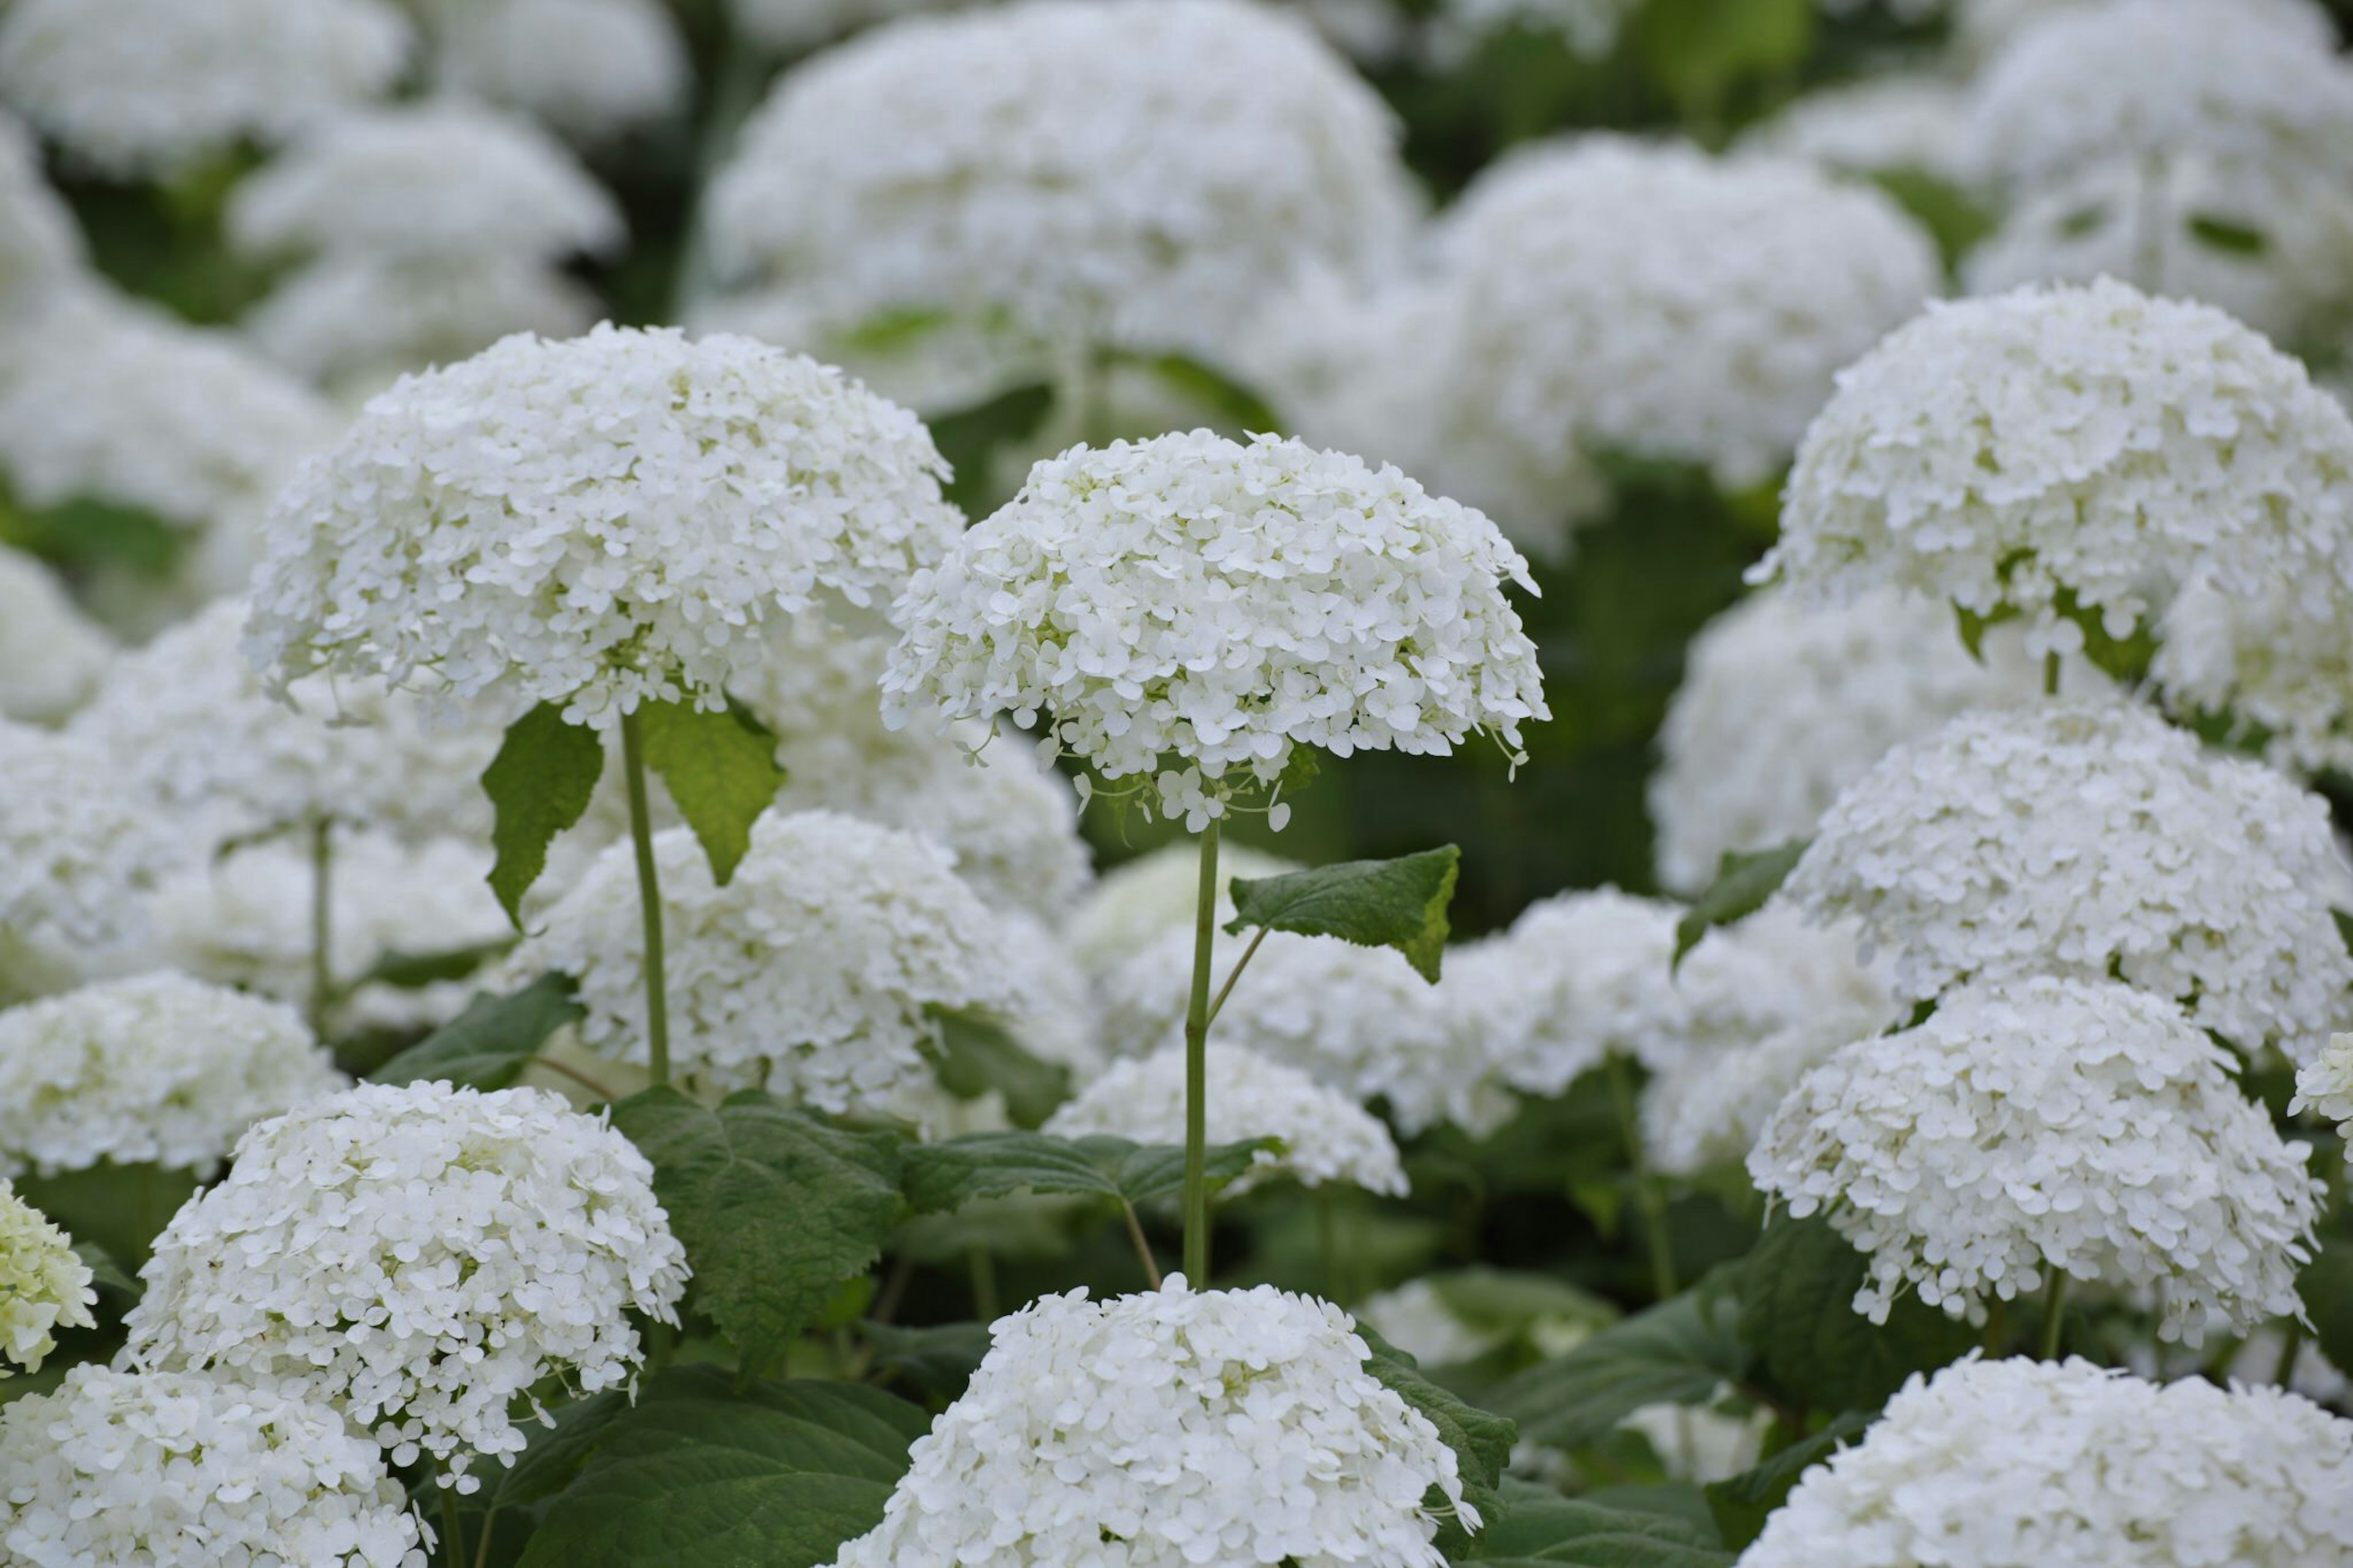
(51,653)
(44,1284)
(1784,704)
(1703,1113)
(2023,1464)
(1209,605)
(1169,1429)
(589,69)
(1085,174)
(179,1470)
(594,522)
(2324,1085)
(1598,313)
(1325,1136)
(144,88)
(420,1257)
(157,1068)
(818,971)
(2074,1125)
(1133,905)
(2073,456)
(2092,839)
(78,848)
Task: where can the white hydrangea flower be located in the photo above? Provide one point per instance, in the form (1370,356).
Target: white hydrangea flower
(1359,1020)
(1598,310)
(591,69)
(1171,1428)
(1580,977)
(1133,905)
(1704,1112)
(194,732)
(1882,124)
(2324,1085)
(1416,1319)
(421,1256)
(147,87)
(1589,28)
(104,399)
(1326,1137)
(1221,604)
(1094,175)
(626,511)
(179,1470)
(77,847)
(44,1284)
(40,246)
(155,1069)
(2092,839)
(815,972)
(2281,665)
(2091,449)
(2077,1124)
(51,653)
(1784,704)
(2063,1465)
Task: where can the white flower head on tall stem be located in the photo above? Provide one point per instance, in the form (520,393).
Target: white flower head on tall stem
(2078,1128)
(44,1284)
(422,1257)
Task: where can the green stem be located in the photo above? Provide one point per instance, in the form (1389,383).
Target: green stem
(1996,1329)
(323,924)
(1647,1194)
(453,1528)
(2050,674)
(1143,1244)
(642,831)
(1241,963)
(1327,1247)
(983,1284)
(1197,1069)
(482,1547)
(2054,1312)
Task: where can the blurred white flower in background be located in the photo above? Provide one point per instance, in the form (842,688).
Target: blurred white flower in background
(182,1471)
(2324,1086)
(1882,124)
(1137,902)
(2279,665)
(40,245)
(44,1284)
(51,653)
(2064,1465)
(77,850)
(592,69)
(1703,1113)
(148,89)
(422,1257)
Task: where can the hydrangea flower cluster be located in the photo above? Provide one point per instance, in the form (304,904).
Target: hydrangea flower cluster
(50,653)
(77,850)
(2280,665)
(420,1256)
(1704,1113)
(1783,705)
(816,973)
(2076,1125)
(143,88)
(1133,905)
(1094,175)
(2092,839)
(186,1471)
(1174,1427)
(626,511)
(43,1286)
(2069,452)
(1884,124)
(590,68)
(1990,1464)
(1600,313)
(1416,1319)
(157,1068)
(1325,1136)
(1192,598)
(2324,1085)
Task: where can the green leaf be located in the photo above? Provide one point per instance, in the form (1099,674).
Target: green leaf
(90,534)
(697,1475)
(1680,1351)
(720,767)
(119,1208)
(2344,927)
(1398,903)
(104,1272)
(2222,233)
(940,1360)
(1227,401)
(1797,1314)
(775,1207)
(970,437)
(2327,1286)
(1700,50)
(1541,1527)
(1481,1439)
(539,784)
(1743,1503)
(1954,217)
(413,971)
(948,1175)
(1743,884)
(1511,1301)
(556,1454)
(976,1053)
(489,1044)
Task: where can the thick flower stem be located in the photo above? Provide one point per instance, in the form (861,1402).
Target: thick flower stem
(2054,1312)
(1196,1071)
(642,832)
(2050,674)
(453,1528)
(323,924)
(1647,1193)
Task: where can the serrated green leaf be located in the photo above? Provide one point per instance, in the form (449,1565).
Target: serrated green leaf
(948,1174)
(413,971)
(1797,1314)
(2224,235)
(539,784)
(1742,1504)
(720,768)
(1398,903)
(1681,1352)
(1742,885)
(976,1053)
(553,1454)
(775,1207)
(700,1475)
(939,1360)
(104,1271)
(489,1044)
(1540,1527)
(1482,1440)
